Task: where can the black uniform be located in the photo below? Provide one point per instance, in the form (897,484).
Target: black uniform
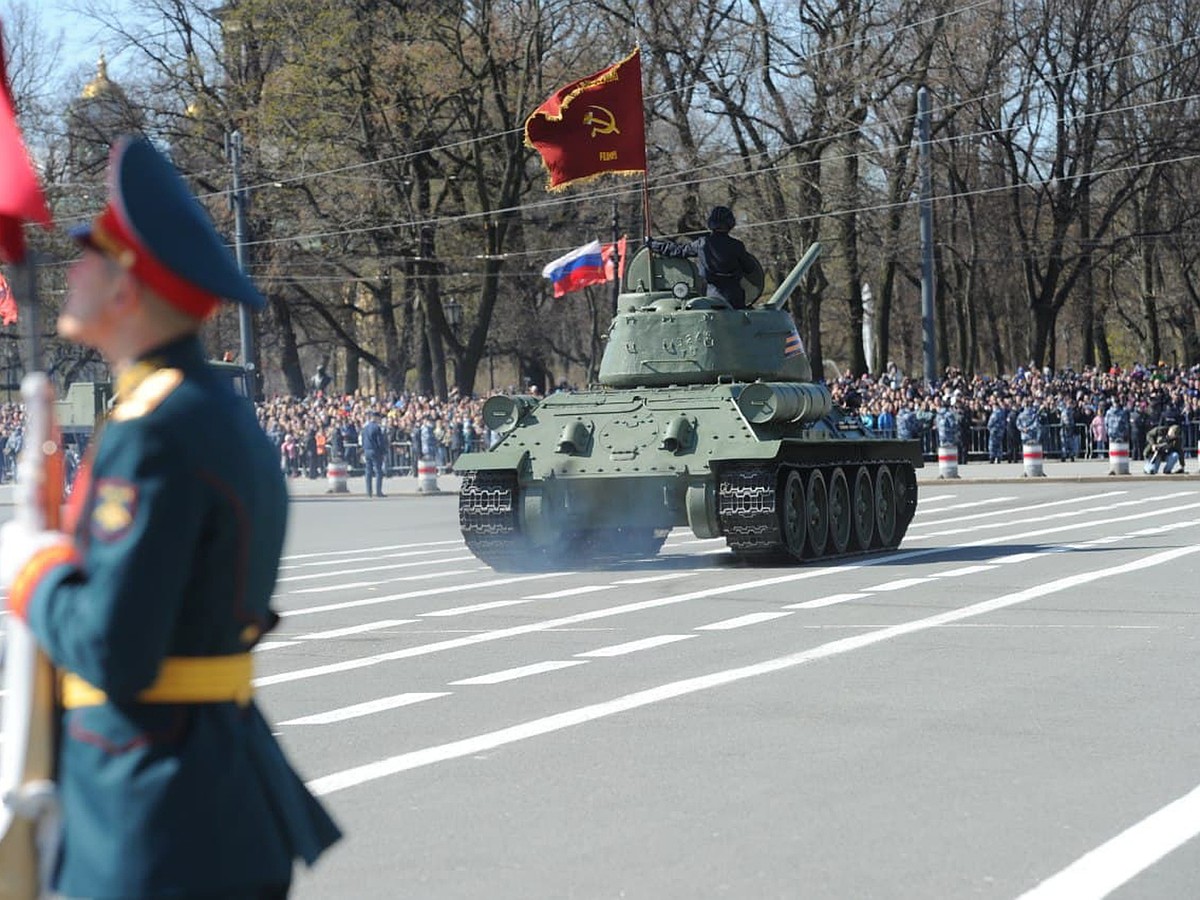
(722,259)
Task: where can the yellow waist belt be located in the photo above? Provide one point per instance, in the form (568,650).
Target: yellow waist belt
(182,679)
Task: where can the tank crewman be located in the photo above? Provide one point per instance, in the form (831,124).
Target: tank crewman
(149,603)
(722,259)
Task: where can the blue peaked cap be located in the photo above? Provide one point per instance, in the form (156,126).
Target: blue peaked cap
(154,226)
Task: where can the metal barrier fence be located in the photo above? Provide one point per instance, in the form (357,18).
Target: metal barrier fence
(400,458)
(400,461)
(1052,443)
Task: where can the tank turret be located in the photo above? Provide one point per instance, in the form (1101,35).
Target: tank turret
(705,416)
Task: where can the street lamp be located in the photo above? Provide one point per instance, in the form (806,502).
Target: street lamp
(453,312)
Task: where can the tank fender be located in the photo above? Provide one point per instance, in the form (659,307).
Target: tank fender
(497,459)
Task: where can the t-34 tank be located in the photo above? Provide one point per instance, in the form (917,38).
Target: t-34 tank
(705,416)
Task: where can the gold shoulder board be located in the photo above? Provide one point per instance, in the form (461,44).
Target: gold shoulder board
(153,390)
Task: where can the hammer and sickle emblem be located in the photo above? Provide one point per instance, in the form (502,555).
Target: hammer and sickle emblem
(602,121)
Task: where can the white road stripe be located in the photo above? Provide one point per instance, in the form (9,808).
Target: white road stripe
(571,592)
(288,559)
(897,584)
(521,672)
(390,567)
(937,497)
(650,579)
(427,592)
(477,607)
(1016,557)
(364,709)
(742,621)
(373,557)
(1115,862)
(590,616)
(349,586)
(634,646)
(1050,504)
(1063,515)
(990,501)
(424,576)
(826,601)
(357,775)
(965,570)
(273,645)
(353,629)
(593,615)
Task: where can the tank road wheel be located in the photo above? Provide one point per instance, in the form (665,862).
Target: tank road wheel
(818,513)
(794,513)
(840,518)
(885,508)
(906,497)
(863,504)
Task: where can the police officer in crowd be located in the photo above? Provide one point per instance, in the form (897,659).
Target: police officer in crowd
(374,448)
(150,601)
(1067,413)
(722,259)
(997,423)
(947,424)
(1029,423)
(1116,423)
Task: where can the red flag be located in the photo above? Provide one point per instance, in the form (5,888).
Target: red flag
(592,126)
(21,198)
(8,304)
(619,247)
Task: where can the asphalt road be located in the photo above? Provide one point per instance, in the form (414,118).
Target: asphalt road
(970,716)
(1005,705)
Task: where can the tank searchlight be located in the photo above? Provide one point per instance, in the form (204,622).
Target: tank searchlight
(811,255)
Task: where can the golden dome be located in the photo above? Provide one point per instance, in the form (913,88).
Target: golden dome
(100,84)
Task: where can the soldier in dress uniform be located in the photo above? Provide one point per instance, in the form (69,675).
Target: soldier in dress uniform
(149,604)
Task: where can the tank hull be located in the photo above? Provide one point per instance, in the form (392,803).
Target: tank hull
(606,474)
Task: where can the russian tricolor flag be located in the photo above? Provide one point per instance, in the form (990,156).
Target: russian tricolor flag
(589,264)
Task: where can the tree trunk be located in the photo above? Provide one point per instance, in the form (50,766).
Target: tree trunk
(289,355)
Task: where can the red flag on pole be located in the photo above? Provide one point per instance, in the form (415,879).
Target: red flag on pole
(593,126)
(21,197)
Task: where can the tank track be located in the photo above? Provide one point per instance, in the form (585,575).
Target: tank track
(487,517)
(748,510)
(750,515)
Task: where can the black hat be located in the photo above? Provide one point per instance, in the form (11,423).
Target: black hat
(721,219)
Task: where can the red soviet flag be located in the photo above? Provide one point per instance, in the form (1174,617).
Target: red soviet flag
(592,126)
(21,198)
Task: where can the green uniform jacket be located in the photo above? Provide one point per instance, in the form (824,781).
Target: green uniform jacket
(179,529)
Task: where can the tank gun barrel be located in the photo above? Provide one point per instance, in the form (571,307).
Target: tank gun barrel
(811,255)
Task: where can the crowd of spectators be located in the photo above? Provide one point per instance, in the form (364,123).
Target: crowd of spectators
(1072,414)
(310,431)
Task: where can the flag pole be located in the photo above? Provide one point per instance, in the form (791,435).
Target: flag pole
(616,258)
